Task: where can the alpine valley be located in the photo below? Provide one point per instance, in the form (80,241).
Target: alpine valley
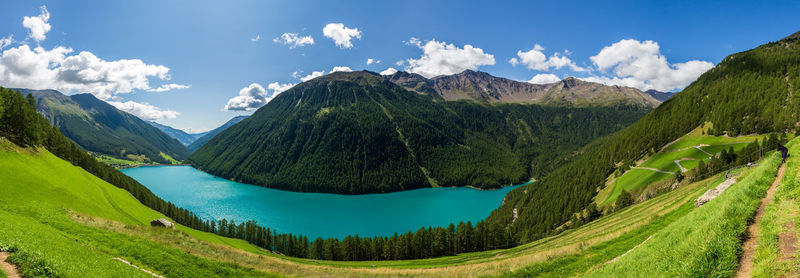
(615,163)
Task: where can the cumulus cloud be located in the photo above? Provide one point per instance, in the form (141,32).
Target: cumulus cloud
(144,110)
(344,69)
(313,75)
(254,96)
(371,61)
(440,58)
(640,64)
(294,40)
(256,38)
(389,71)
(535,59)
(340,34)
(544,78)
(169,87)
(38,26)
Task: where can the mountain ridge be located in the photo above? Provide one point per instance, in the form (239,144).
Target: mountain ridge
(100,127)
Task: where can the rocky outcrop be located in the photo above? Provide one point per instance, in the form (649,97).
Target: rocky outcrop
(714,192)
(163,223)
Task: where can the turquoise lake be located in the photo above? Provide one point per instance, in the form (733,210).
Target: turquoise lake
(317,214)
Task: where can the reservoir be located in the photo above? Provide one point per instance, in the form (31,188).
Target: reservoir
(317,214)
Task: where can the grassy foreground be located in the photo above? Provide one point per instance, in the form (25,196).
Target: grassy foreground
(706,242)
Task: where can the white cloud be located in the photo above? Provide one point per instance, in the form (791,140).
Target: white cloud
(38,26)
(439,58)
(278,88)
(144,110)
(39,68)
(294,40)
(7,41)
(254,96)
(400,63)
(313,75)
(389,71)
(250,98)
(340,34)
(256,38)
(169,87)
(344,69)
(535,59)
(371,61)
(641,65)
(544,78)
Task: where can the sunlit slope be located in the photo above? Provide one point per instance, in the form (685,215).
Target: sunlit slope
(39,191)
(687,151)
(706,242)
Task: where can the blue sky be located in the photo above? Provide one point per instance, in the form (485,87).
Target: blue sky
(206,49)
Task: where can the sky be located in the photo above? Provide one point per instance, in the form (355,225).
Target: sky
(194,65)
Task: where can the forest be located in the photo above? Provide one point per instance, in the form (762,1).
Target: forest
(356,133)
(752,92)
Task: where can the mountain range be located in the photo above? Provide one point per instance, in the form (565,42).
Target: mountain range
(481,86)
(205,136)
(184,137)
(359,132)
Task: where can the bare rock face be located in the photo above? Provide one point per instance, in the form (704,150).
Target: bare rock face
(714,192)
(161,222)
(481,86)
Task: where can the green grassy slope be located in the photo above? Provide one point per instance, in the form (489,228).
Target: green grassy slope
(38,192)
(687,149)
(706,242)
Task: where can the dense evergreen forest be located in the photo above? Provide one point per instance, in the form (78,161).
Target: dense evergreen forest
(749,92)
(102,128)
(355,133)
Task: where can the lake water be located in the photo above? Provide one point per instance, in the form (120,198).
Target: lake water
(317,214)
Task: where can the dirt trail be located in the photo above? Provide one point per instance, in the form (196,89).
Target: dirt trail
(8,268)
(750,244)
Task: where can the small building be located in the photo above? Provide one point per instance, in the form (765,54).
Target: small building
(161,222)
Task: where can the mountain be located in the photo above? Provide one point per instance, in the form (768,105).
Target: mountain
(481,86)
(751,92)
(180,135)
(100,127)
(660,96)
(205,136)
(354,133)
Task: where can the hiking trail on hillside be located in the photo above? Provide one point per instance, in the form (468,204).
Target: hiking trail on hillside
(9,268)
(750,244)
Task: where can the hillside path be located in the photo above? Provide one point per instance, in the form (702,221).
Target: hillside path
(750,244)
(651,169)
(8,268)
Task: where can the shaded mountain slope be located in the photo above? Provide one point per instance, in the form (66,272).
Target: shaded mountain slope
(200,141)
(100,127)
(354,133)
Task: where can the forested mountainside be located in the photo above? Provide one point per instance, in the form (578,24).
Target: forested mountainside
(182,136)
(354,133)
(102,128)
(481,86)
(203,139)
(749,92)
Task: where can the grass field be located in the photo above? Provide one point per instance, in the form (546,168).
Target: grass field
(688,151)
(113,160)
(706,242)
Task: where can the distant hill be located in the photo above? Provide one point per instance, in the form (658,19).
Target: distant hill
(100,127)
(184,137)
(481,86)
(356,132)
(660,96)
(750,92)
(205,136)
